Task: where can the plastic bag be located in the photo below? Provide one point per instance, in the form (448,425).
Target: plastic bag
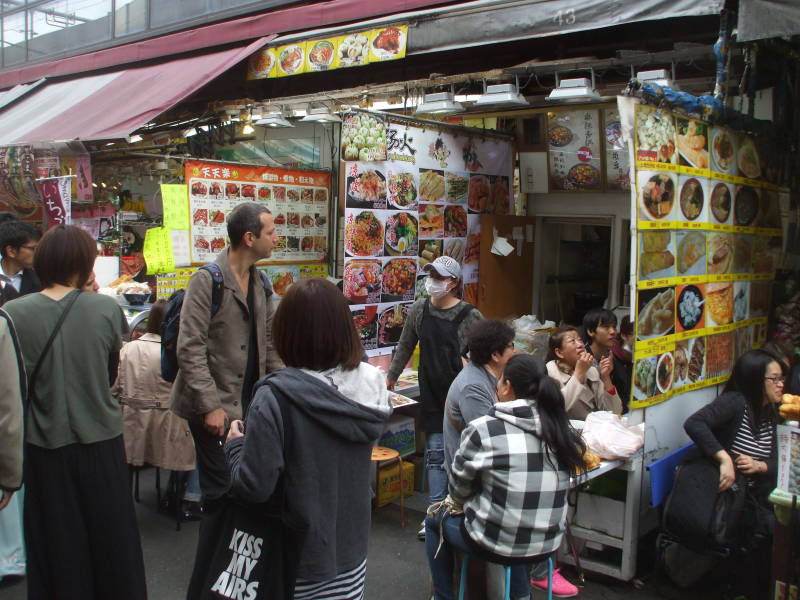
(608,437)
(531,335)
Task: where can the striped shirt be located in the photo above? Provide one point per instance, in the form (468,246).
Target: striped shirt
(756,445)
(345,586)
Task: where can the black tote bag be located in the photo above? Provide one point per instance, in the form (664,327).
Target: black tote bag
(243,553)
(247,551)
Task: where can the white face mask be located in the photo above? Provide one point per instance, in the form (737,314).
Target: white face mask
(435,288)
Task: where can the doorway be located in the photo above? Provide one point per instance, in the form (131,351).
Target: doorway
(575,267)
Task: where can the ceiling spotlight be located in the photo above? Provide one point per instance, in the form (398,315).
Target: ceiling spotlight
(501,94)
(133,139)
(660,77)
(321,114)
(273,119)
(441,103)
(575,90)
(189,132)
(248,129)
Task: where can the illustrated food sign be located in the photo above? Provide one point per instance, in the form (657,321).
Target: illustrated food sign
(421,201)
(298,200)
(351,50)
(709,237)
(577,140)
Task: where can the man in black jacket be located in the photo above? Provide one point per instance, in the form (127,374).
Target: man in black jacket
(18,241)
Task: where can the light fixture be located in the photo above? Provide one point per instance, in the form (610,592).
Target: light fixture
(321,114)
(189,132)
(574,90)
(248,129)
(660,77)
(133,139)
(501,94)
(440,103)
(273,119)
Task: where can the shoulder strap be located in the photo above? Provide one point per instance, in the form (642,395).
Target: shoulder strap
(23,379)
(463,314)
(266,283)
(217,286)
(49,343)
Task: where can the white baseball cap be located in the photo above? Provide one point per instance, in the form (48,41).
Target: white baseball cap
(445,266)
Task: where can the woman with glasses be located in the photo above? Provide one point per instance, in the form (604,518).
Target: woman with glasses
(585,383)
(738,430)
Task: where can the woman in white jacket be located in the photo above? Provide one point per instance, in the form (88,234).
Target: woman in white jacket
(586,387)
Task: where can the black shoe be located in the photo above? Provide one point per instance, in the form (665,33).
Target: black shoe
(192,511)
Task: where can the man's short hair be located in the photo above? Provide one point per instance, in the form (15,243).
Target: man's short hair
(245,217)
(598,317)
(487,337)
(16,234)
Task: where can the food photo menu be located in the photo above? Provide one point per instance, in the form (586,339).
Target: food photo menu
(421,199)
(299,202)
(708,236)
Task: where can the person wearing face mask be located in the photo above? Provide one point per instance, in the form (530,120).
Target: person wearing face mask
(441,325)
(586,388)
(622,356)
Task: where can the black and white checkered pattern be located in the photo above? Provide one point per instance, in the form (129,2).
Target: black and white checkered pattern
(515,501)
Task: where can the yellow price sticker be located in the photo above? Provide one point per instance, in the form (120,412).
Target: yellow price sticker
(158,251)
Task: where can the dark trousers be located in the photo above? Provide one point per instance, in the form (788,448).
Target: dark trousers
(81,535)
(212,465)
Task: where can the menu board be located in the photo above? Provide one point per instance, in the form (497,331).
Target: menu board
(298,200)
(282,277)
(574,150)
(789,459)
(708,235)
(351,50)
(423,201)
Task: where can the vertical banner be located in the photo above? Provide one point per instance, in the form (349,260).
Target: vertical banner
(412,193)
(708,234)
(56,196)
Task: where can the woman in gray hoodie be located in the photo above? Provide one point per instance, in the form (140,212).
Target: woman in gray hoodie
(314,423)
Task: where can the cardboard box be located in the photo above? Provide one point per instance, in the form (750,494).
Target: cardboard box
(600,514)
(399,434)
(389,482)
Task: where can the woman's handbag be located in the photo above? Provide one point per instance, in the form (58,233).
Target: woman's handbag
(696,513)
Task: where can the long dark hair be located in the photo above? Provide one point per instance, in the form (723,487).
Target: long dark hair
(529,380)
(747,378)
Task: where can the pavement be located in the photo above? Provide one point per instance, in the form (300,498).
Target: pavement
(396,567)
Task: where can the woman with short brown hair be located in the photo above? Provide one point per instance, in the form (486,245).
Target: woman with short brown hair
(315,422)
(81,534)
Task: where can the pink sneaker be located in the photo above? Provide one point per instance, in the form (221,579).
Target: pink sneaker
(561,587)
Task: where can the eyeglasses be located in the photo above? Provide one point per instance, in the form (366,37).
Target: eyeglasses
(776,379)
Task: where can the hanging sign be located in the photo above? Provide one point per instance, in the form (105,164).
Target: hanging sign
(327,54)
(56,196)
(298,200)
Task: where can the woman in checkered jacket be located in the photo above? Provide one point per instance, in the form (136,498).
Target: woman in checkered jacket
(509,481)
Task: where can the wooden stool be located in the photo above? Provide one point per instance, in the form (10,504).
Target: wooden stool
(380,454)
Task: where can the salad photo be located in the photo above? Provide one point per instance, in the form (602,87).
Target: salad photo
(402,191)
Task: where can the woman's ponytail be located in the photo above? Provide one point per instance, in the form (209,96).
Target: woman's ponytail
(529,379)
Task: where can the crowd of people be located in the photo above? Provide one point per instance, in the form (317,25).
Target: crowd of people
(274,406)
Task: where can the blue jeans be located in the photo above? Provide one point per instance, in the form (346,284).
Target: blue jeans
(434,466)
(442,564)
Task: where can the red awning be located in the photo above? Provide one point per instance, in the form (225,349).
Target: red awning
(112,105)
(296,18)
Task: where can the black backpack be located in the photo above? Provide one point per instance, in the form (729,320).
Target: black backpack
(170,328)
